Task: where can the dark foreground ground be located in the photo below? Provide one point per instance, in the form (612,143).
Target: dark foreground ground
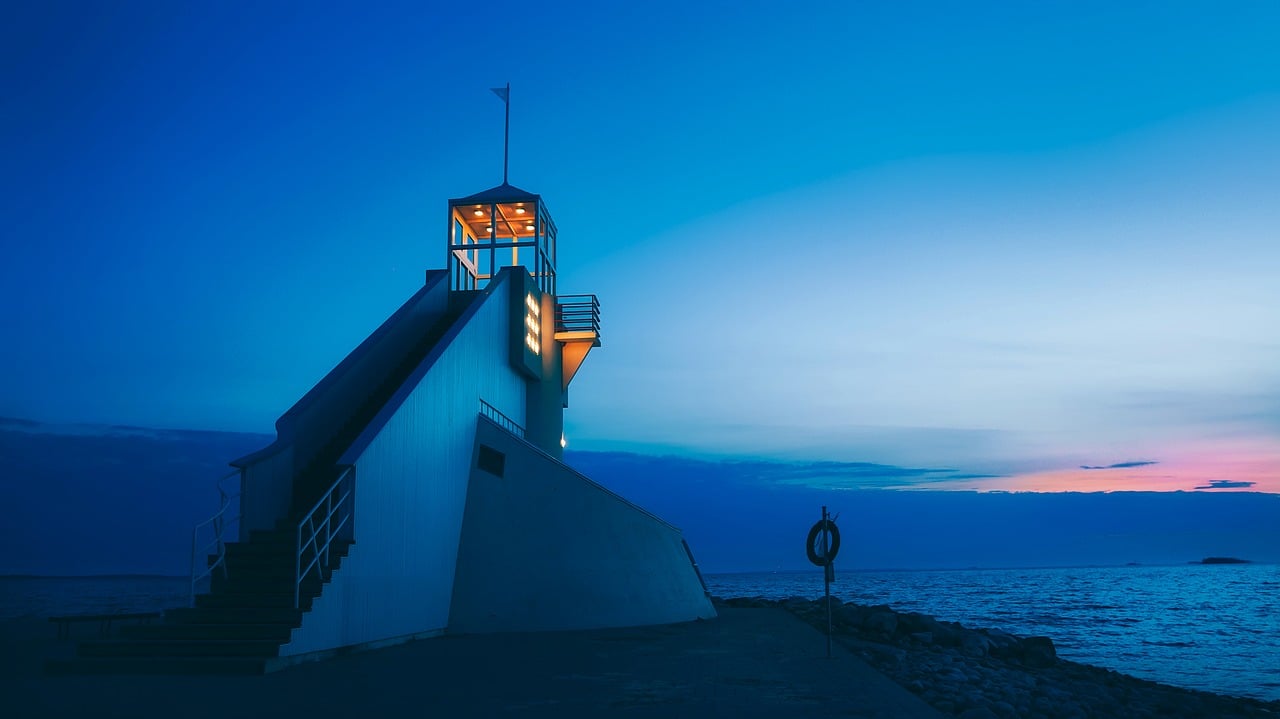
(751,662)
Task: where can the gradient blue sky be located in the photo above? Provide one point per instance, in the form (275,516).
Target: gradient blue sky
(997,238)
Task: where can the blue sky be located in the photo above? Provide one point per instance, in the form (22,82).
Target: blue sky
(998,239)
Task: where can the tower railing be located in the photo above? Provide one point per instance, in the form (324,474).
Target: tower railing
(578,313)
(227,516)
(500,419)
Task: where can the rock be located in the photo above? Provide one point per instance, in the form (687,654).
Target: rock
(1045,705)
(849,615)
(923,637)
(1002,644)
(1072,711)
(912,622)
(974,644)
(1004,709)
(794,603)
(978,713)
(821,604)
(1038,652)
(883,622)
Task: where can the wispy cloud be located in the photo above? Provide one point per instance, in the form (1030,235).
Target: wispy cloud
(1226,484)
(1121,465)
(852,475)
(812,474)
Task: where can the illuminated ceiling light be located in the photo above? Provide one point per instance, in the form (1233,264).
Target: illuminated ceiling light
(563,443)
(529,227)
(519,210)
(479,213)
(488,230)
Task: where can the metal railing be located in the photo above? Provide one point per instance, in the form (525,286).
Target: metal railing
(220,523)
(317,529)
(501,419)
(578,313)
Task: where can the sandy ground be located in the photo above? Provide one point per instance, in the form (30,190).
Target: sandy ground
(748,663)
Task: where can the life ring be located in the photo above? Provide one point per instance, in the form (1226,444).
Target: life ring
(812,547)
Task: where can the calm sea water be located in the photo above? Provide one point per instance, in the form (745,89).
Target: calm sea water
(23,597)
(1215,628)
(1210,627)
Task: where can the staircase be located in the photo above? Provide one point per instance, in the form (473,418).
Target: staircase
(236,628)
(239,625)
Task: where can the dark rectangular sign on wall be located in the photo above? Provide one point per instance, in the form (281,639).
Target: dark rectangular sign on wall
(527,340)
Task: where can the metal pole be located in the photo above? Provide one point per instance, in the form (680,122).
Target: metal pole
(193,570)
(506,135)
(826,573)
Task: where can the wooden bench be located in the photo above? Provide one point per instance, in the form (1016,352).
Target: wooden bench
(104,621)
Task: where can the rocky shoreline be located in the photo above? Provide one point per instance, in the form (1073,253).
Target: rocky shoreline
(990,674)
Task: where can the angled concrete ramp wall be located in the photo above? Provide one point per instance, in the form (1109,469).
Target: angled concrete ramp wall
(545,548)
(411,468)
(302,431)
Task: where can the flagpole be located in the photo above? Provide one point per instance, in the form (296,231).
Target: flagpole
(506,135)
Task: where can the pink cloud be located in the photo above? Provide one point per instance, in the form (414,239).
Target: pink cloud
(1220,465)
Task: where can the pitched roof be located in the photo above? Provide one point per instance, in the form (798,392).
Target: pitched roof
(501,193)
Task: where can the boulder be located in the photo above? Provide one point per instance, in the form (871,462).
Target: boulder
(1038,652)
(912,622)
(849,615)
(973,644)
(1001,643)
(821,603)
(882,622)
(796,603)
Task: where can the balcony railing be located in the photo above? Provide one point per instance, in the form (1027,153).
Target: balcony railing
(578,313)
(501,419)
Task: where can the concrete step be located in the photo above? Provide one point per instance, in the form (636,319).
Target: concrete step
(199,648)
(235,615)
(268,584)
(273,552)
(257,600)
(264,631)
(272,537)
(260,561)
(261,549)
(254,572)
(158,665)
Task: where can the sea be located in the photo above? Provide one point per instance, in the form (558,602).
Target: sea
(1214,627)
(1209,627)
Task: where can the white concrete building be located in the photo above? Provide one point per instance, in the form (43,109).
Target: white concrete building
(418,489)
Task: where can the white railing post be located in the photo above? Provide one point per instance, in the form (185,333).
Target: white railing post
(321,547)
(297,568)
(218,523)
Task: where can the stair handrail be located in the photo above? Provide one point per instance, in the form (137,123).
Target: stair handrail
(342,506)
(220,523)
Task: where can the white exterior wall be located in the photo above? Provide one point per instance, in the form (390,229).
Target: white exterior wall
(410,489)
(544,548)
(266,488)
(303,430)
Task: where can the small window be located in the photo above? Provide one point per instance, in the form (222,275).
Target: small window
(491,460)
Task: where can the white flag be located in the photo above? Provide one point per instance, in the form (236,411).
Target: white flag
(500,92)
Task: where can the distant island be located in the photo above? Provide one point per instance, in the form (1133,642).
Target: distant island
(1222,560)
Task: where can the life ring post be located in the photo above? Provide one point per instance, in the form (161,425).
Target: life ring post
(826,573)
(822,545)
